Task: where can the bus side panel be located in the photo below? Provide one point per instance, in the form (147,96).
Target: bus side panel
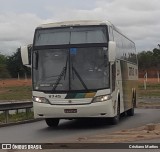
(129,82)
(119,86)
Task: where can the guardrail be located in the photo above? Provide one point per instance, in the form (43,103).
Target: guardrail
(7,106)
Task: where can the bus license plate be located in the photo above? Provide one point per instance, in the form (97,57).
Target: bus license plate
(70,110)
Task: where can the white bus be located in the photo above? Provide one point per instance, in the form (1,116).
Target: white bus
(82,69)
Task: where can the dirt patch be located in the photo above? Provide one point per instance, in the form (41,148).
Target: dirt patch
(149,80)
(15,82)
(14,89)
(149,131)
(3,91)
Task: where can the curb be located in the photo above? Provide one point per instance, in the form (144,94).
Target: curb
(145,97)
(148,107)
(20,122)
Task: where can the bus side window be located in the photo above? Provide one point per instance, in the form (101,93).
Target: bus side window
(113,76)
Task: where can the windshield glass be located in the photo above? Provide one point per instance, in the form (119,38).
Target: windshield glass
(70,35)
(71,69)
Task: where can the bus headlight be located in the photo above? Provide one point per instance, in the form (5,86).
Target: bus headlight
(40,100)
(101,98)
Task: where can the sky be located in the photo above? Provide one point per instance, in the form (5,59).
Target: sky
(138,19)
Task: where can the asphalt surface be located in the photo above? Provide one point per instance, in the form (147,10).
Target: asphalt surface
(69,130)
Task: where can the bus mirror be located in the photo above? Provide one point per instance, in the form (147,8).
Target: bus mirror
(111,51)
(25,56)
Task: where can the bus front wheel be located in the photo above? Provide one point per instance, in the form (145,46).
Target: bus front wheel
(115,120)
(52,122)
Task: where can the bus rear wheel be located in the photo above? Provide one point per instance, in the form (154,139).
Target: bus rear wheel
(52,122)
(130,112)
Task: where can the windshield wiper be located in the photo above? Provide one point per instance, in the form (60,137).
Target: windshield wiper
(63,73)
(79,77)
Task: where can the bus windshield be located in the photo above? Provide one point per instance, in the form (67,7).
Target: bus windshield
(71,69)
(70,35)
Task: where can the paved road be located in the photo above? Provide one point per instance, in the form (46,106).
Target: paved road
(69,130)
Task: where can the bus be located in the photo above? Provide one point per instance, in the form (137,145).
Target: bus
(82,69)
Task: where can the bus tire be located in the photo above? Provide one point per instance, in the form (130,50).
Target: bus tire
(130,112)
(52,122)
(135,100)
(115,120)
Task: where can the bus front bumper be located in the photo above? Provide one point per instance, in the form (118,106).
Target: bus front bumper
(98,109)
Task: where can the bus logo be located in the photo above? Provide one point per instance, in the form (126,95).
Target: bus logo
(6,146)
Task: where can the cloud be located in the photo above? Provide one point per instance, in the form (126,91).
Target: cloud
(139,19)
(17,30)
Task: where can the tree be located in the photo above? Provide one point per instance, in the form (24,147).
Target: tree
(15,66)
(3,59)
(4,73)
(156,57)
(144,59)
(149,59)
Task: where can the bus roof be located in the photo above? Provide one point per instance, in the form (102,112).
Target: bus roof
(75,23)
(80,23)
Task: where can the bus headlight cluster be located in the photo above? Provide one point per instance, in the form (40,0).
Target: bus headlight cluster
(102,98)
(40,100)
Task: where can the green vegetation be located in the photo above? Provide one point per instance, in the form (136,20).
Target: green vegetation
(149,59)
(4,73)
(16,93)
(11,66)
(152,90)
(16,117)
(15,66)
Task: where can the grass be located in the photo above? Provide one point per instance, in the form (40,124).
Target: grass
(152,90)
(16,93)
(16,117)
(25,92)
